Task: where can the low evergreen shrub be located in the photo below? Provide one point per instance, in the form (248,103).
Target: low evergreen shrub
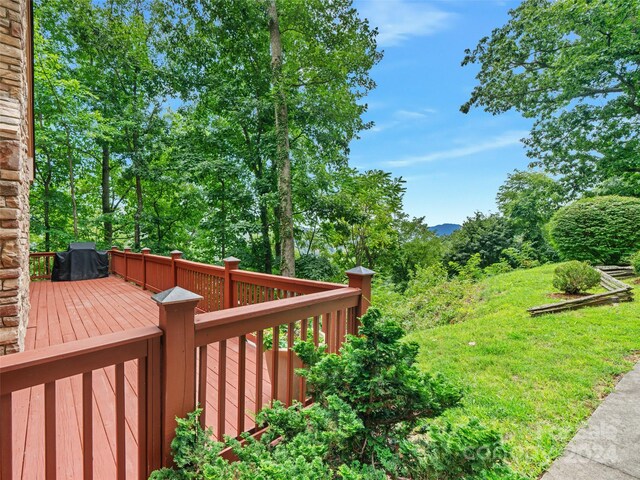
(372,419)
(575,277)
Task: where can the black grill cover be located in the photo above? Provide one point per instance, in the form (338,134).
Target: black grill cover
(81,261)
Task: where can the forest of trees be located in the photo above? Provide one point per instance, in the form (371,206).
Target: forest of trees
(223,128)
(220,128)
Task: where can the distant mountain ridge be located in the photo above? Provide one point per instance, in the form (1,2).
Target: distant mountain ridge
(445,229)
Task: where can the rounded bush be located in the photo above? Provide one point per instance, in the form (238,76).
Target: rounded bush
(599,230)
(575,277)
(635,262)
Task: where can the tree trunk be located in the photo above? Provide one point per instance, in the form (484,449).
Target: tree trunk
(47,207)
(283,161)
(72,186)
(138,215)
(266,242)
(139,201)
(223,211)
(106,196)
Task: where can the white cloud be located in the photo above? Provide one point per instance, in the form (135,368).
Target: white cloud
(505,140)
(381,127)
(402,117)
(413,114)
(398,20)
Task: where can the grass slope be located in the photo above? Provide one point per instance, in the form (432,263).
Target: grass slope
(534,379)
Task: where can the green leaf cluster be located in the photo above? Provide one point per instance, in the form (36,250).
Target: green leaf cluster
(635,262)
(571,66)
(431,297)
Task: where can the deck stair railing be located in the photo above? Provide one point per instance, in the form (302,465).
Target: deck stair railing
(210,349)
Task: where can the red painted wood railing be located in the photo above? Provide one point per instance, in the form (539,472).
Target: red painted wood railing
(139,349)
(216,359)
(219,287)
(242,330)
(41,265)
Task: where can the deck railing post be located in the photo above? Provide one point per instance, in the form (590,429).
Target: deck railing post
(126,264)
(230,264)
(360,277)
(111,267)
(175,255)
(177,314)
(145,251)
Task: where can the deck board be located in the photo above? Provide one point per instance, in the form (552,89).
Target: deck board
(62,312)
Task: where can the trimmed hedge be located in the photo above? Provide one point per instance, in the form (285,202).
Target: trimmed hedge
(599,230)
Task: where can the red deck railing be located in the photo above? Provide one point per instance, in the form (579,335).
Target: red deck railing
(332,311)
(157,273)
(48,365)
(40,265)
(173,363)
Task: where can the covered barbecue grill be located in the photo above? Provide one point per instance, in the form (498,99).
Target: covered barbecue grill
(81,261)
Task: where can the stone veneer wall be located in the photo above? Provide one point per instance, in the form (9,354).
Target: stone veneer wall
(15,173)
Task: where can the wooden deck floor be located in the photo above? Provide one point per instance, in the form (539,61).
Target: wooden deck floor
(67,311)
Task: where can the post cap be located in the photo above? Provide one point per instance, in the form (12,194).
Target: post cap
(231,260)
(145,250)
(175,295)
(113,247)
(361,271)
(127,249)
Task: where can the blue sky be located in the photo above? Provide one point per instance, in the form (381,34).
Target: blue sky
(453,163)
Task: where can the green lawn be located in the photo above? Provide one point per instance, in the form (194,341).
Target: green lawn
(536,380)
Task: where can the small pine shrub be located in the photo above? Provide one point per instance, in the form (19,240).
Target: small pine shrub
(635,262)
(575,277)
(370,420)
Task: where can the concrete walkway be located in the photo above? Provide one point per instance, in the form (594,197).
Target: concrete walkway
(608,447)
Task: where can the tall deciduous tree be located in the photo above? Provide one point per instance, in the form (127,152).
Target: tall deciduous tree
(362,225)
(280,85)
(283,160)
(61,116)
(573,66)
(528,199)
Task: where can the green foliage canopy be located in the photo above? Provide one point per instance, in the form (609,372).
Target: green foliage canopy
(572,66)
(528,199)
(155,122)
(486,235)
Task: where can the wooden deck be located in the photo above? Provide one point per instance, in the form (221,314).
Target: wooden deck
(67,311)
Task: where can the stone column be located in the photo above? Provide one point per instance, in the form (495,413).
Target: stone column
(16,171)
